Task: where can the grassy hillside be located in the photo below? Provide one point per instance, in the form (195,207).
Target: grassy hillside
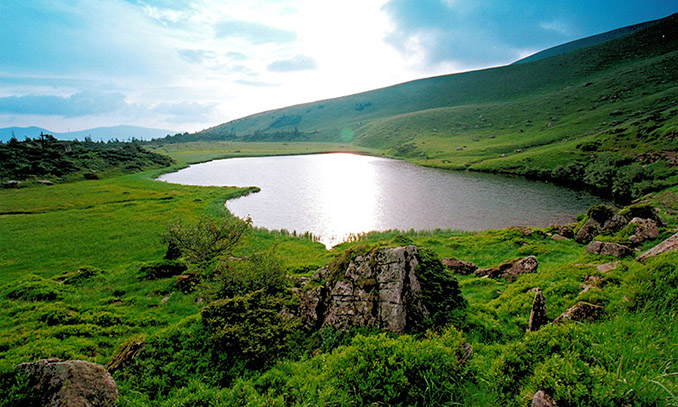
(608,111)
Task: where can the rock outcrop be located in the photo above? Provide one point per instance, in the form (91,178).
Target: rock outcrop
(582,311)
(71,383)
(459,266)
(644,229)
(378,289)
(667,245)
(538,316)
(125,356)
(608,249)
(510,269)
(601,218)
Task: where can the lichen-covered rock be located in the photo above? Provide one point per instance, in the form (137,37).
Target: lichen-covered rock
(667,245)
(538,316)
(378,289)
(459,266)
(604,268)
(582,311)
(510,269)
(542,399)
(608,249)
(588,231)
(72,383)
(644,229)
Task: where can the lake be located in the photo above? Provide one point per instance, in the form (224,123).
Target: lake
(339,194)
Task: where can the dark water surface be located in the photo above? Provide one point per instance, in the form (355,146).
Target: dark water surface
(335,195)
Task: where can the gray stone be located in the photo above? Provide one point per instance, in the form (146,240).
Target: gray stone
(542,399)
(510,269)
(604,268)
(667,245)
(459,266)
(645,229)
(608,249)
(582,311)
(71,383)
(379,289)
(11,184)
(588,231)
(538,313)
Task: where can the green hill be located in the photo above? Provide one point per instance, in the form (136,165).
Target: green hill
(612,105)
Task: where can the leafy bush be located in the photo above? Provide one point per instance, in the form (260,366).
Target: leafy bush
(440,291)
(250,327)
(206,239)
(162,269)
(399,371)
(260,271)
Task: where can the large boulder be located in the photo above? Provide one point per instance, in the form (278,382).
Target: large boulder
(378,289)
(667,245)
(600,218)
(71,383)
(644,229)
(459,266)
(510,269)
(608,249)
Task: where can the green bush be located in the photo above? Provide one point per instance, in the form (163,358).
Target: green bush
(260,271)
(162,269)
(206,239)
(250,327)
(399,371)
(440,291)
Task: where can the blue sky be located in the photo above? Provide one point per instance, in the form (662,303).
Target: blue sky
(188,65)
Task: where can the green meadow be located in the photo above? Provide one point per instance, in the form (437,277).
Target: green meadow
(88,267)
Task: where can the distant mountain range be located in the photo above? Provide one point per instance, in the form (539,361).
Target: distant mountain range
(122,133)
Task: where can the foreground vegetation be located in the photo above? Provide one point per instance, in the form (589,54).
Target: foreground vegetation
(89,269)
(83,278)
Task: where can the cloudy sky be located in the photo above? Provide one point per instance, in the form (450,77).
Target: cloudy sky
(188,65)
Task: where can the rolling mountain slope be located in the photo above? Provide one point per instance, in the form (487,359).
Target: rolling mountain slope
(339,119)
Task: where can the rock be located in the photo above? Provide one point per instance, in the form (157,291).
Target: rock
(588,231)
(645,229)
(11,184)
(582,311)
(667,245)
(459,266)
(90,175)
(510,268)
(542,399)
(604,268)
(379,289)
(601,218)
(538,313)
(466,356)
(614,224)
(559,237)
(125,356)
(71,383)
(44,182)
(608,249)
(187,282)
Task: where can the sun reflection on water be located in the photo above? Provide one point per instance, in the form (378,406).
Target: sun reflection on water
(348,196)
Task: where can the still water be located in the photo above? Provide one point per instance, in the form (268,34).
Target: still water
(335,195)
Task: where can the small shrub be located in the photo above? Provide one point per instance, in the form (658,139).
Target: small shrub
(399,371)
(440,291)
(162,269)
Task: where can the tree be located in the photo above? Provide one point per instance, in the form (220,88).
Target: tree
(206,239)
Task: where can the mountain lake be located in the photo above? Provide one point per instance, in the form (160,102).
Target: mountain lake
(336,195)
